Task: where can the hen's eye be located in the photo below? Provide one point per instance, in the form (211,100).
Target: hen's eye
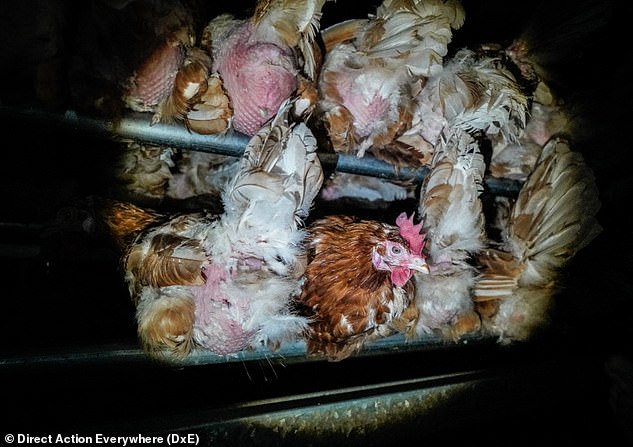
(396,250)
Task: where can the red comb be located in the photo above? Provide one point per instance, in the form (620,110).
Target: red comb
(411,233)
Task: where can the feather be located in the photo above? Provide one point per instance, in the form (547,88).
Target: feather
(553,218)
(353,292)
(473,93)
(224,283)
(368,81)
(451,207)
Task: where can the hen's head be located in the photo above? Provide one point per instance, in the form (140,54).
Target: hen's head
(402,258)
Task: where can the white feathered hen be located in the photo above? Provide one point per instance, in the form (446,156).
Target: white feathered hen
(373,69)
(472,98)
(474,93)
(224,283)
(451,209)
(552,219)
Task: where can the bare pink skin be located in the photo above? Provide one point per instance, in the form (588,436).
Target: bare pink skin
(154,80)
(365,113)
(215,328)
(258,77)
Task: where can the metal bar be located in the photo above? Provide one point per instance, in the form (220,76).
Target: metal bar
(288,353)
(333,417)
(136,126)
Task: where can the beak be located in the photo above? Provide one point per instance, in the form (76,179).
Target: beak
(419,264)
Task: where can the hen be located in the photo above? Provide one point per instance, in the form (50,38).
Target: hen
(267,58)
(372,71)
(357,282)
(366,191)
(224,283)
(474,93)
(552,47)
(472,101)
(553,217)
(142,55)
(150,175)
(175,81)
(452,211)
(142,172)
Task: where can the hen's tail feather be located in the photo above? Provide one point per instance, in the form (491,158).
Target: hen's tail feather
(450,205)
(555,213)
(123,220)
(422,29)
(280,175)
(553,218)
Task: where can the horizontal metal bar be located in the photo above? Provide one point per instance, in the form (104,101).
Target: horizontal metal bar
(333,417)
(136,126)
(289,352)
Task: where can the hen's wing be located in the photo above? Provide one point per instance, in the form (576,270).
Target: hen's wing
(552,219)
(161,254)
(279,177)
(197,97)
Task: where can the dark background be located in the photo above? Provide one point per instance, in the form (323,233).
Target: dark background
(62,289)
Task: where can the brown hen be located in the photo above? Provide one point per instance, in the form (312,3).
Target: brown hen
(357,284)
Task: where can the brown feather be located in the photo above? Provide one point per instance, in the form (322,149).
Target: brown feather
(169,260)
(167,324)
(211,115)
(344,293)
(125,220)
(189,86)
(341,32)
